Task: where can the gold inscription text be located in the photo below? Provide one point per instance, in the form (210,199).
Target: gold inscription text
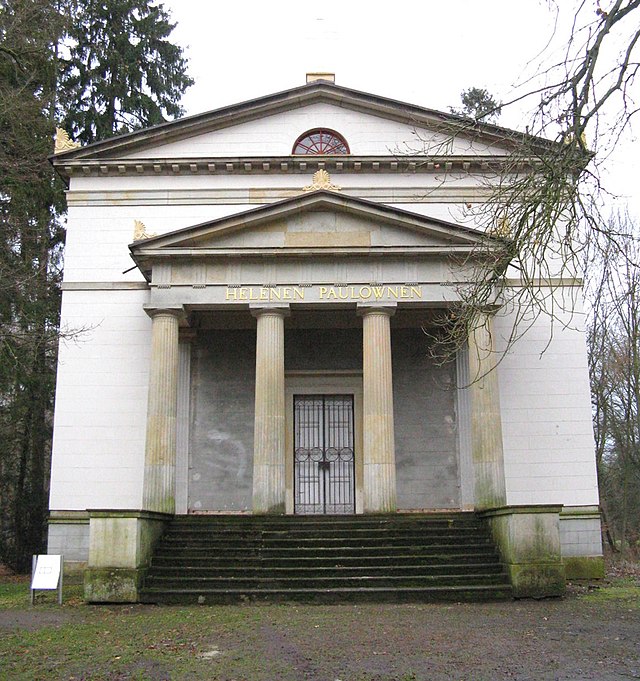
(351,293)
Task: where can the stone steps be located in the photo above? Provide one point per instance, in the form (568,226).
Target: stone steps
(366,562)
(350,548)
(411,557)
(338,581)
(255,570)
(434,594)
(193,523)
(344,537)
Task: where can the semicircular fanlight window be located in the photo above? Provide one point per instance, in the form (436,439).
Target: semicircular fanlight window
(320,141)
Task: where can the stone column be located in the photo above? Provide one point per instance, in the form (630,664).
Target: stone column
(377,406)
(269,428)
(160,450)
(486,422)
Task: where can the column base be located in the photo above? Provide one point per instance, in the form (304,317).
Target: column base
(380,488)
(121,544)
(528,539)
(277,509)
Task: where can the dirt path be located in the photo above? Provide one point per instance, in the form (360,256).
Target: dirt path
(588,635)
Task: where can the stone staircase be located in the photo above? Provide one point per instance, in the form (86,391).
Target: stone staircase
(326,559)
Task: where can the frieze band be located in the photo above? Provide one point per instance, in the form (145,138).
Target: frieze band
(351,292)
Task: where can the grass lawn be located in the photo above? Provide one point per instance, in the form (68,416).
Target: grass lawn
(591,634)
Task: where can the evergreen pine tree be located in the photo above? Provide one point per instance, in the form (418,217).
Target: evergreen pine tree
(478,103)
(117,71)
(121,72)
(30,241)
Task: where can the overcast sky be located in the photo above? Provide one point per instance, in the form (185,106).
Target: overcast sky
(422,52)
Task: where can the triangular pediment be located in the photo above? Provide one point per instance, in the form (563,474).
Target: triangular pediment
(318,223)
(201,136)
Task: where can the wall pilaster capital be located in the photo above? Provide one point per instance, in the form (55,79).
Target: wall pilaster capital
(186,334)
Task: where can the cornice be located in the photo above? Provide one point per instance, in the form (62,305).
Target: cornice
(287,165)
(281,252)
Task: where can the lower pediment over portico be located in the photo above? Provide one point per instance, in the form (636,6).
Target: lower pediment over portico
(319,223)
(321,248)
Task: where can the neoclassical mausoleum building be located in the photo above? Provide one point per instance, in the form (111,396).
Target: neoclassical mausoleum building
(253,291)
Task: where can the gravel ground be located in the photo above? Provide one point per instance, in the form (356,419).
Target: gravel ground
(592,633)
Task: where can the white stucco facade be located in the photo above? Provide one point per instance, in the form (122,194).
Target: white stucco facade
(214,171)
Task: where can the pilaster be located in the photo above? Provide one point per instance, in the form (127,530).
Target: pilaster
(527,536)
(187,337)
(486,422)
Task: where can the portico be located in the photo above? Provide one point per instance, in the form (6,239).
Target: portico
(336,276)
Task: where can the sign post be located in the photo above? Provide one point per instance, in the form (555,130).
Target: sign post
(46,574)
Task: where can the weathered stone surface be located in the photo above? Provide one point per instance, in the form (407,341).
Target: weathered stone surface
(528,539)
(112,585)
(221,429)
(584,567)
(486,423)
(120,548)
(536,580)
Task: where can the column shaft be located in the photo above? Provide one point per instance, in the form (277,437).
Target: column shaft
(269,430)
(486,422)
(160,449)
(378,434)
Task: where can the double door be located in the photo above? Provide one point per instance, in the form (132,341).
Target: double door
(323,454)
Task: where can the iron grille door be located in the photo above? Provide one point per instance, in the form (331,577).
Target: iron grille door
(324,471)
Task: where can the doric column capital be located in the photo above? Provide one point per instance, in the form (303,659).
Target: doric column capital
(365,309)
(275,310)
(177,312)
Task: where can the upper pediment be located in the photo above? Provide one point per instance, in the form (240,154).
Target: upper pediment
(268,127)
(319,223)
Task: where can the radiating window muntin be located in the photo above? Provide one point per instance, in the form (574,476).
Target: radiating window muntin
(321,141)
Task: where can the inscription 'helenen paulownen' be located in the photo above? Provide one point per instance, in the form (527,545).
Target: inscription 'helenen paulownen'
(364,292)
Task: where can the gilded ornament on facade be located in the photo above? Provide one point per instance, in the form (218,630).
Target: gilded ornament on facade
(502,228)
(140,231)
(64,142)
(321,180)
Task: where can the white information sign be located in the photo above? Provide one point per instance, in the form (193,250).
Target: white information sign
(47,574)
